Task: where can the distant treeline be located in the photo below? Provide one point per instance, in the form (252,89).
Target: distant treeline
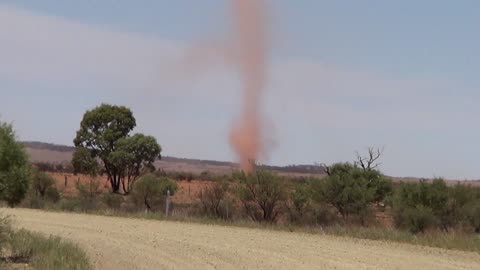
(308,169)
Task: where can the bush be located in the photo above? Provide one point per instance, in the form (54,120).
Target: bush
(52,194)
(205,176)
(299,202)
(181,176)
(324,215)
(42,191)
(87,198)
(14,171)
(459,201)
(214,200)
(112,200)
(473,216)
(451,207)
(150,191)
(34,201)
(471,210)
(262,193)
(418,218)
(382,186)
(43,186)
(348,189)
(71,205)
(420,205)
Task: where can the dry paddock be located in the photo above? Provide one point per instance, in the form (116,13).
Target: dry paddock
(121,243)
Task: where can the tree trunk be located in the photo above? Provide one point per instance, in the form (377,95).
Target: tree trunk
(145,200)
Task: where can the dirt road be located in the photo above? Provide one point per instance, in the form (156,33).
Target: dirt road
(119,243)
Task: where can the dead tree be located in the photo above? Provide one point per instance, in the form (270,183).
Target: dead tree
(326,168)
(369,162)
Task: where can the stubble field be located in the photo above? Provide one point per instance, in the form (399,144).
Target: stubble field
(122,243)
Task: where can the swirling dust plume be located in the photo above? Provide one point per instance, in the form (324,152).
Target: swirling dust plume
(249,49)
(245,50)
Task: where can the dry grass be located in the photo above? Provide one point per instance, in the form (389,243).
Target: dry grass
(447,240)
(130,243)
(28,250)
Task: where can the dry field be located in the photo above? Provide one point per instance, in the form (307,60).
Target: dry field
(120,243)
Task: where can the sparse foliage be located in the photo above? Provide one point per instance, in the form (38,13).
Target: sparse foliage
(88,193)
(150,191)
(262,193)
(41,183)
(42,190)
(214,199)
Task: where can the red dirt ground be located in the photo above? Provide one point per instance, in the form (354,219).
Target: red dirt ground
(187,191)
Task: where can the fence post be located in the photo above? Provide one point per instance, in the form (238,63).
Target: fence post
(167,203)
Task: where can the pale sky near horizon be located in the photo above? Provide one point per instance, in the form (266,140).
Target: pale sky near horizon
(343,75)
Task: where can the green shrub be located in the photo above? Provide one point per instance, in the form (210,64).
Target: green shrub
(451,207)
(14,168)
(382,186)
(299,203)
(41,183)
(87,197)
(262,194)
(112,200)
(418,218)
(438,199)
(71,205)
(324,215)
(420,205)
(348,189)
(455,213)
(181,175)
(149,192)
(472,215)
(52,194)
(34,201)
(42,192)
(214,200)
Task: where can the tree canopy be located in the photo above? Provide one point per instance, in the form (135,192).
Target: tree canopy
(104,135)
(351,189)
(14,167)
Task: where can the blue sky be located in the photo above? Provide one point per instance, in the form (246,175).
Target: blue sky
(343,75)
